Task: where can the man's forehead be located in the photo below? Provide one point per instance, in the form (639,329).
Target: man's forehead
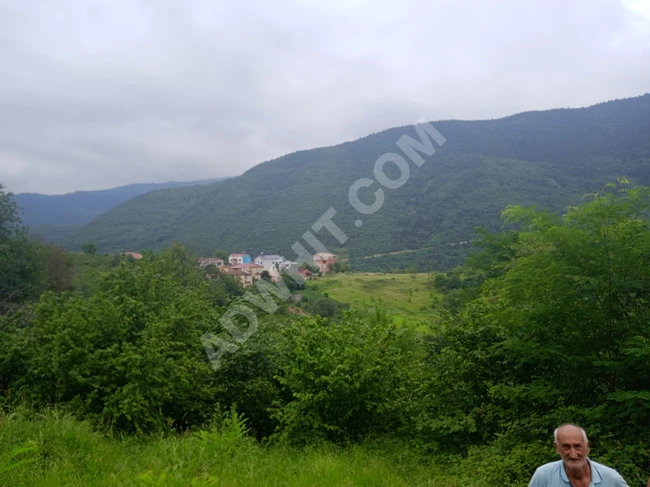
(570,434)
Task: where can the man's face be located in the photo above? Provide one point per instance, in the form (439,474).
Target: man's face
(572,448)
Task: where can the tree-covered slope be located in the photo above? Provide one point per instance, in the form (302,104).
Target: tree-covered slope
(544,158)
(82,206)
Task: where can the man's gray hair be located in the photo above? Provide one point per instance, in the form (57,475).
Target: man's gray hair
(584,434)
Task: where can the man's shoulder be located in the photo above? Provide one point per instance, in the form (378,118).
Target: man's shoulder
(549,468)
(547,475)
(605,472)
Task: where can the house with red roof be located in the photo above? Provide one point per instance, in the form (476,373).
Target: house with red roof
(244,276)
(324,260)
(254,269)
(306,273)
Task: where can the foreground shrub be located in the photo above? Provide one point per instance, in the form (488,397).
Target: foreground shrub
(128,357)
(345,379)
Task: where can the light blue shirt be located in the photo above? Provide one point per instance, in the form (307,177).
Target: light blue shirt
(553,475)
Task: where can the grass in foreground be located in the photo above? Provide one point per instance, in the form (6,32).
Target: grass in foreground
(57,450)
(407,297)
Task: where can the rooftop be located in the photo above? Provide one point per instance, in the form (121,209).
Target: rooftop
(323,256)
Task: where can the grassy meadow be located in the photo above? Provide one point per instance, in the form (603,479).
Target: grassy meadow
(408,298)
(56,450)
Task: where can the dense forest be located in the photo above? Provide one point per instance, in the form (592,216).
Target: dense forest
(546,158)
(82,206)
(56,217)
(546,322)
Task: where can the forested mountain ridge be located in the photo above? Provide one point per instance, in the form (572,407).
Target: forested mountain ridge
(542,158)
(82,206)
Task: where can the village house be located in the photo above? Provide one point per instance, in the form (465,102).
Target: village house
(274,264)
(245,277)
(323,261)
(242,258)
(135,255)
(206,261)
(306,273)
(254,269)
(270,262)
(245,270)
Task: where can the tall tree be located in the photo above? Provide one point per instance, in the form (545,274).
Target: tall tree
(89,248)
(9,219)
(559,333)
(21,269)
(59,270)
(222,254)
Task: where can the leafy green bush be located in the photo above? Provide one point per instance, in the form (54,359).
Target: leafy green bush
(347,379)
(128,356)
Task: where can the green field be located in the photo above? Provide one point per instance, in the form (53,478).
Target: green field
(55,450)
(407,297)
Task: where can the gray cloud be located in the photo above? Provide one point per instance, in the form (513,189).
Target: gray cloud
(102,93)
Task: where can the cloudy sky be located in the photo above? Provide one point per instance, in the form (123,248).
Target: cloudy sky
(100,93)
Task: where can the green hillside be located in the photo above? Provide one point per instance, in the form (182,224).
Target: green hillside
(543,158)
(408,298)
(42,210)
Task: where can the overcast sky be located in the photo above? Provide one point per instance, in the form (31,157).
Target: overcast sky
(101,93)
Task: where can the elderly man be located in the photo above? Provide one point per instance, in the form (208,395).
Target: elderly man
(575,469)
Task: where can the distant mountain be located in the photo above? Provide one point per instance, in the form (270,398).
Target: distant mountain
(82,206)
(546,158)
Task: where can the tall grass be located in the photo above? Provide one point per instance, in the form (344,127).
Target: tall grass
(54,449)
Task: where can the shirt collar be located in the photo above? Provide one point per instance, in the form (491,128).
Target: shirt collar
(595,474)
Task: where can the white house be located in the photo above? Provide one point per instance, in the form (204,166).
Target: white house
(270,262)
